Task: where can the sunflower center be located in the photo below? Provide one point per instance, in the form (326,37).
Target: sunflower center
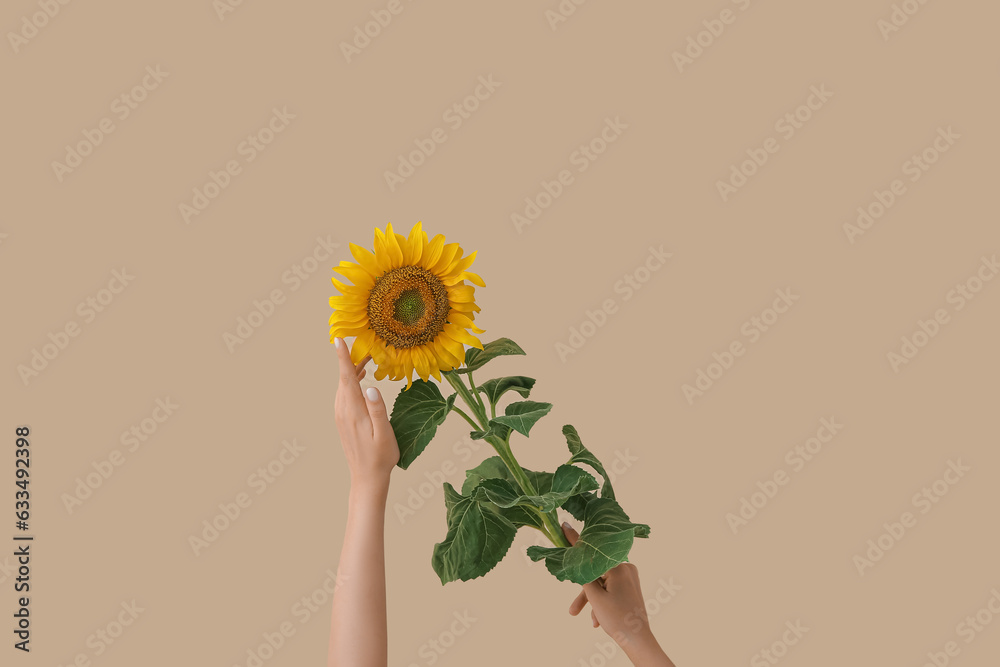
(408,306)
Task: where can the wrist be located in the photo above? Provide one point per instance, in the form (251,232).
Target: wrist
(370,487)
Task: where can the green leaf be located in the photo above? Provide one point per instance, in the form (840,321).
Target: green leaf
(522,415)
(567,481)
(605,542)
(495,468)
(476,358)
(497,387)
(416,415)
(583,455)
(495,429)
(577,505)
(478,538)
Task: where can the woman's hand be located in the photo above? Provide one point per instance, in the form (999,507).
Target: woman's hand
(617,606)
(365,433)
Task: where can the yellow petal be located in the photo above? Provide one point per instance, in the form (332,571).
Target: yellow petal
(414,246)
(462,293)
(355,274)
(392,243)
(362,346)
(433,252)
(349,290)
(464,321)
(448,253)
(460,264)
(449,350)
(462,336)
(382,251)
(420,362)
(366,259)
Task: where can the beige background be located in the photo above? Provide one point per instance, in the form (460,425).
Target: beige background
(322,177)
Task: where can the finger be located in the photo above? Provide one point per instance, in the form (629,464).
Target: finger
(593,615)
(358,367)
(349,384)
(570,533)
(381,428)
(363,373)
(578,604)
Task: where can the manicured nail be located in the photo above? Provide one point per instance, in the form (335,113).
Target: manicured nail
(337,342)
(566,525)
(372,394)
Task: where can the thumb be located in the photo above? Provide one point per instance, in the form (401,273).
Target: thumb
(377,412)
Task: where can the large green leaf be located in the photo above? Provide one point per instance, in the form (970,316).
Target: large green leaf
(476,358)
(497,387)
(522,415)
(605,542)
(495,468)
(577,505)
(478,538)
(416,415)
(566,482)
(583,455)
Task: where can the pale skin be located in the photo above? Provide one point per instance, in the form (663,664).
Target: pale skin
(358,632)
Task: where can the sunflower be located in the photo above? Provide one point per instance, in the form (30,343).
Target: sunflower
(409,306)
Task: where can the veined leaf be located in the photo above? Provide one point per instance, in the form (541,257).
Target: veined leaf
(497,387)
(478,538)
(495,429)
(577,505)
(583,455)
(605,542)
(495,468)
(416,415)
(476,358)
(522,415)
(566,482)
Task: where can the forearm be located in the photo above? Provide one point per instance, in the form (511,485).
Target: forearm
(645,651)
(358,633)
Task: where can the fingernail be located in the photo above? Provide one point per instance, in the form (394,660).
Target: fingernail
(566,525)
(337,342)
(372,393)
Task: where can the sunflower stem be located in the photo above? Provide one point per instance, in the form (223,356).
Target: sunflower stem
(475,392)
(502,447)
(465,416)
